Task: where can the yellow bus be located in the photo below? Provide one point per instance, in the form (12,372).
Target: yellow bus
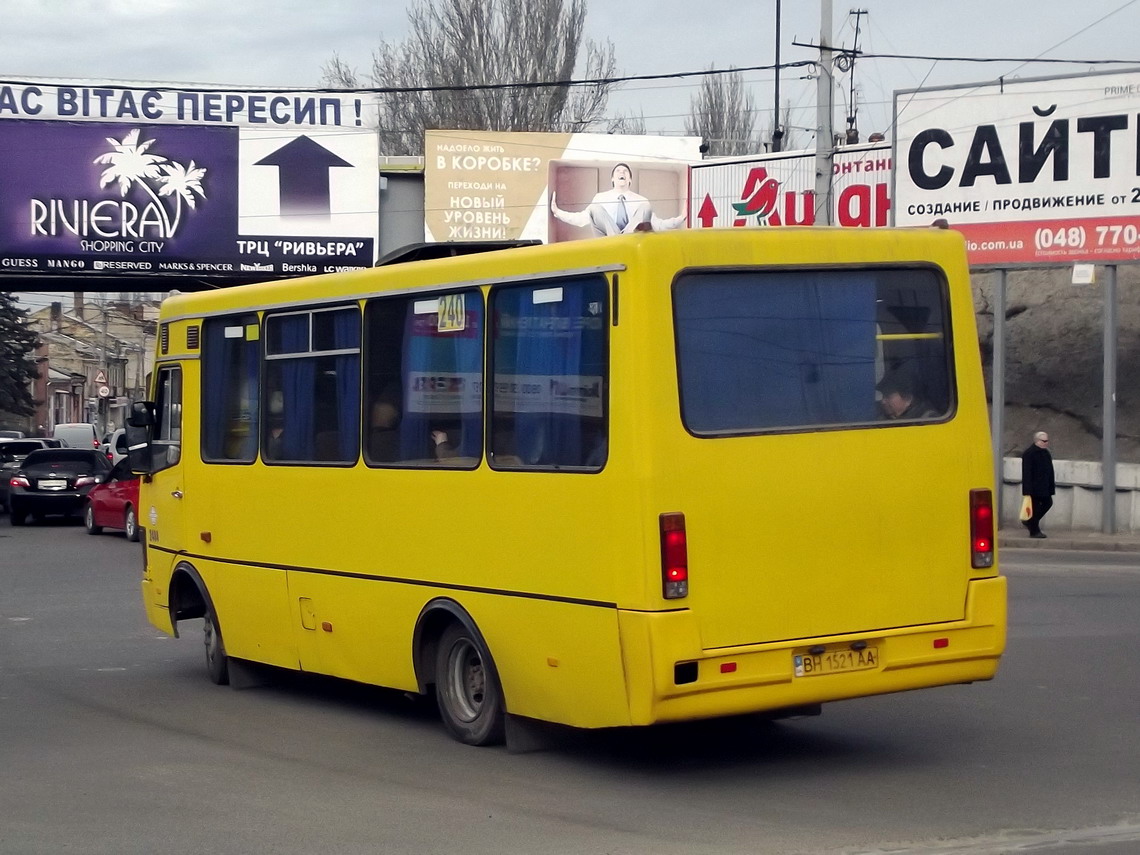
(611,482)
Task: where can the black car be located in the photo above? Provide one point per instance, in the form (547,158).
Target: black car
(54,481)
(12,454)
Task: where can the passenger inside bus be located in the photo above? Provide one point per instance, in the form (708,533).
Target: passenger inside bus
(384,433)
(900,401)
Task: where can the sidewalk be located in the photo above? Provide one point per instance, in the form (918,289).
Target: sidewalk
(1018,538)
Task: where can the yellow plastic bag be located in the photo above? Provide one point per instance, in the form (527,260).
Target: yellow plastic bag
(1026,508)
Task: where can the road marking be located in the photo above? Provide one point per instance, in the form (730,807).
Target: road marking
(1017,841)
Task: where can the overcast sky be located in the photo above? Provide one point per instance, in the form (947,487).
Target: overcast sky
(284,43)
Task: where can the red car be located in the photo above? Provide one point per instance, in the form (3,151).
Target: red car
(114,503)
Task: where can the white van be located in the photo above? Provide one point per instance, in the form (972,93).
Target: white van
(116,446)
(77,435)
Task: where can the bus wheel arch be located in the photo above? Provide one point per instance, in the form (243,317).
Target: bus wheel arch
(451,655)
(189,598)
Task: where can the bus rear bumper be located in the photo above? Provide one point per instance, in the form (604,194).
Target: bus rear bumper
(680,681)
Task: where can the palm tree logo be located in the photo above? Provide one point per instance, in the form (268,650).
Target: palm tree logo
(131,163)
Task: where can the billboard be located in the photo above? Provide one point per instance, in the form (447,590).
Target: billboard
(121,179)
(779,189)
(491,185)
(1035,171)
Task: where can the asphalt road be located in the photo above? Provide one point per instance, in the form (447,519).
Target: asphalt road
(113,741)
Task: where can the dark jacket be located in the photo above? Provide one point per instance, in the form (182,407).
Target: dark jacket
(1037,472)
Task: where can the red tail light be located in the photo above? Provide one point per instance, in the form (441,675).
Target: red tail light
(981,529)
(19,481)
(674,557)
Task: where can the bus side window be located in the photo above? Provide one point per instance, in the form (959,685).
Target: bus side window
(231,357)
(312,386)
(167,445)
(424,380)
(550,375)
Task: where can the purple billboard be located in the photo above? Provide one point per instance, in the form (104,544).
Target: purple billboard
(192,198)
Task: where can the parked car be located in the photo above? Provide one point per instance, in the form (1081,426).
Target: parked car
(54,481)
(115,446)
(114,503)
(77,435)
(12,454)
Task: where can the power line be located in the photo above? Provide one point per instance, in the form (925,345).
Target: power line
(1022,60)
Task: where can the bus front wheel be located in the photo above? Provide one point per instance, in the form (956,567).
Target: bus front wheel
(467,688)
(217,663)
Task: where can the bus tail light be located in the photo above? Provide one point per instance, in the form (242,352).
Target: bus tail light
(674,557)
(981,529)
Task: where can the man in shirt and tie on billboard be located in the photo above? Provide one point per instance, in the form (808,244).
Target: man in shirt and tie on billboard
(616,211)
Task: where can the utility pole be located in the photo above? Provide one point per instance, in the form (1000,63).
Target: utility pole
(847,63)
(825,132)
(777,132)
(104,401)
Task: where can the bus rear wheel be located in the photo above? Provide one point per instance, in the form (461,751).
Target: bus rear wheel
(217,663)
(467,688)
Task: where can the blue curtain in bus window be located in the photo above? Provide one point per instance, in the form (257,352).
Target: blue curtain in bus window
(346,334)
(229,399)
(297,390)
(217,380)
(550,370)
(442,375)
(776,350)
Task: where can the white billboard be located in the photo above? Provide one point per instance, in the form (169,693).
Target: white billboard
(502,185)
(779,189)
(1033,171)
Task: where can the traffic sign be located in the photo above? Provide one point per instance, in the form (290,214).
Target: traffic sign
(104,391)
(101,378)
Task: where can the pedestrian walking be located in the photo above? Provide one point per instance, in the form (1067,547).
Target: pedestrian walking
(1037,481)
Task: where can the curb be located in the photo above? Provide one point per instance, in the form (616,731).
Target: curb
(1089,543)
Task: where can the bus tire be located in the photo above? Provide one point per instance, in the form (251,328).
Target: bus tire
(467,688)
(217,663)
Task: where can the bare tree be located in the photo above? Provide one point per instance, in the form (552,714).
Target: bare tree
(460,44)
(723,114)
(627,123)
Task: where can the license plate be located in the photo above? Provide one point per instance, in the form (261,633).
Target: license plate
(835,661)
(52,484)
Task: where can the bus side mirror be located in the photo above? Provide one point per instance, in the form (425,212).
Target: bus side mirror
(140,452)
(142,414)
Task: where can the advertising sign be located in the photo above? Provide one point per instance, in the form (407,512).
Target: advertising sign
(1036,171)
(779,189)
(125,179)
(489,185)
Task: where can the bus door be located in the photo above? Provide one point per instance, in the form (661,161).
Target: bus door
(162,514)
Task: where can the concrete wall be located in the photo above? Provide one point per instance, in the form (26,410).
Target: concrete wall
(1080,491)
(401,211)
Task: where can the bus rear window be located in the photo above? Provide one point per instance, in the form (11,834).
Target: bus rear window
(762,350)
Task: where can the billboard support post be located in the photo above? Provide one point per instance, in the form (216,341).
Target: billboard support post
(997,386)
(1108,450)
